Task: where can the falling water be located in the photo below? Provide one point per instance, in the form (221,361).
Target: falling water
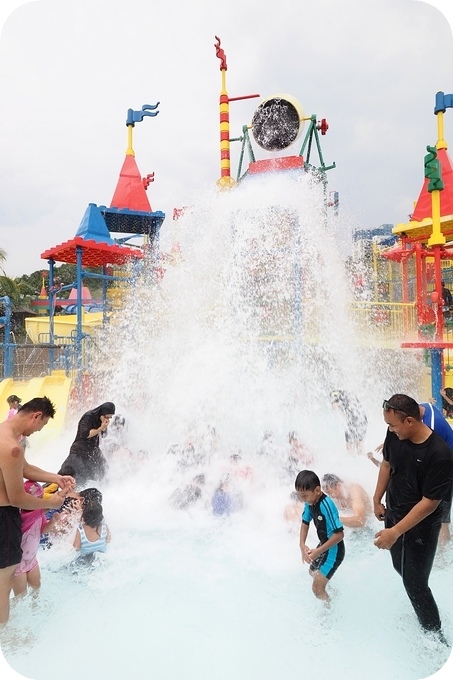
(248,332)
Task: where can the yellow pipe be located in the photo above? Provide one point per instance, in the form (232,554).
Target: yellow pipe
(436,238)
(441,143)
(129,150)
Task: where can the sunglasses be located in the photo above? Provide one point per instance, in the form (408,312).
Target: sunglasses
(387,406)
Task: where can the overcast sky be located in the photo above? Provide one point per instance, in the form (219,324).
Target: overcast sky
(70,70)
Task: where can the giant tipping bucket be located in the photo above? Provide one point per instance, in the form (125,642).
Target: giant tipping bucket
(277,122)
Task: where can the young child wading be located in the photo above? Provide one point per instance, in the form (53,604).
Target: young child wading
(325,559)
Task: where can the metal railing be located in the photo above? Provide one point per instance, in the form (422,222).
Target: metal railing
(385,323)
(29,360)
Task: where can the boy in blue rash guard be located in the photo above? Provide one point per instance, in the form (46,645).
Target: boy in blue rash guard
(325,559)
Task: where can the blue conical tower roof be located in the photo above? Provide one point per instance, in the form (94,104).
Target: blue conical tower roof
(93,226)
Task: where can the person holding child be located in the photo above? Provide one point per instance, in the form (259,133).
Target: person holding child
(14,468)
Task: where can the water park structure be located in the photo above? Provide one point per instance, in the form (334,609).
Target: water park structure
(66,339)
(424,243)
(397,291)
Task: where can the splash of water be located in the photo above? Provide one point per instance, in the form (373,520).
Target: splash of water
(247,333)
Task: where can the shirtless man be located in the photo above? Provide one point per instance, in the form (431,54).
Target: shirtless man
(350,497)
(30,418)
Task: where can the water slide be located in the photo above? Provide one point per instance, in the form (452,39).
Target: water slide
(56,386)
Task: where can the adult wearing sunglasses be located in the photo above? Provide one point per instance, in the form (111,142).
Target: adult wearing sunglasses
(434,419)
(415,475)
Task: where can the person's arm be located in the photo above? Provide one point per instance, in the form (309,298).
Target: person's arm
(35,474)
(387,537)
(374,460)
(333,540)
(53,525)
(109,535)
(358,517)
(49,526)
(381,487)
(99,430)
(13,466)
(447,399)
(302,538)
(77,541)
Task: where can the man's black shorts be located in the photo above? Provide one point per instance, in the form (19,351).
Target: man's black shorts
(10,536)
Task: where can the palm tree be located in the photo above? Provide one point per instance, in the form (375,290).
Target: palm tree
(3,256)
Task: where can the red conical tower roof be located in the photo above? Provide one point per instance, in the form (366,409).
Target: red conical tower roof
(423,207)
(130,191)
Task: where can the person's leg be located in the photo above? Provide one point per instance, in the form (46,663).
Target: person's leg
(34,578)
(324,567)
(10,555)
(6,579)
(419,549)
(34,581)
(319,586)
(19,584)
(396,553)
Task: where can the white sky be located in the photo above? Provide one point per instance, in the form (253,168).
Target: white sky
(69,70)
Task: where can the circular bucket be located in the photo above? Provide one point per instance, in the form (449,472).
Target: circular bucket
(277,122)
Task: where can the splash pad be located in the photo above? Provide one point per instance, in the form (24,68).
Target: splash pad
(247,334)
(182,592)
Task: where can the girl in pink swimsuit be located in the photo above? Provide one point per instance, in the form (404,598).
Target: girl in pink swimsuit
(34,523)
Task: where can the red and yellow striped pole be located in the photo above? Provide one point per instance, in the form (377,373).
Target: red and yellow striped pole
(225,181)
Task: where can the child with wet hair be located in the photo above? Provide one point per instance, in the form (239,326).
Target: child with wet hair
(91,494)
(325,559)
(92,534)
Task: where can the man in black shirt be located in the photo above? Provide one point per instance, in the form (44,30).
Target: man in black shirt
(416,474)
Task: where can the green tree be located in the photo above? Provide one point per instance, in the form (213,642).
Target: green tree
(17,290)
(64,275)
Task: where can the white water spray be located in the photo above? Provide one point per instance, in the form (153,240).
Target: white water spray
(248,332)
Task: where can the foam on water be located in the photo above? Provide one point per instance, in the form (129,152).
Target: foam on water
(182,593)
